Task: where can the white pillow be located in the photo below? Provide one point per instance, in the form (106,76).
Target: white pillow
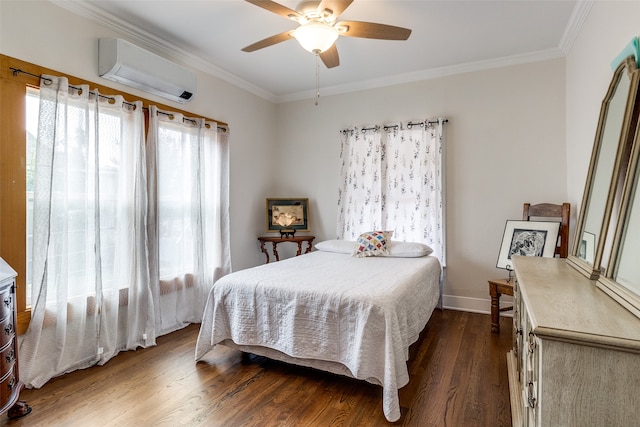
(408,250)
(340,246)
(396,249)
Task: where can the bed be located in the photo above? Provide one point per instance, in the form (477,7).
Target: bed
(329,310)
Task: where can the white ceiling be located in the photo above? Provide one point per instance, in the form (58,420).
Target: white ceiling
(448,37)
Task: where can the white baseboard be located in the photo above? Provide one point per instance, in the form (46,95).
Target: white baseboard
(475,305)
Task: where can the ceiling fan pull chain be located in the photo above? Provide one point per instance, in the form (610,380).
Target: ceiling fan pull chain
(317,78)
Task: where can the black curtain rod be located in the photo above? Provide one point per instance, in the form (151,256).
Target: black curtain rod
(387,127)
(17,71)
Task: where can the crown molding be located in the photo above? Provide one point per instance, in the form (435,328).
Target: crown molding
(576,20)
(434,73)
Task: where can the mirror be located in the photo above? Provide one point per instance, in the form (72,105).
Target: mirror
(607,171)
(622,278)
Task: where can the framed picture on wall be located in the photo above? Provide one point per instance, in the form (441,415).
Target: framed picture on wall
(287,215)
(527,238)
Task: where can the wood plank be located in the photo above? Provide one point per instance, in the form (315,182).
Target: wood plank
(458,376)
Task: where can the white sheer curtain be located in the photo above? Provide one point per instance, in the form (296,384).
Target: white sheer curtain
(391,178)
(91,296)
(188,214)
(128,238)
(360,196)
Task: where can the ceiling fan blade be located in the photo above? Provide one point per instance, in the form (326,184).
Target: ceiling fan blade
(335,6)
(269,41)
(330,57)
(370,30)
(276,8)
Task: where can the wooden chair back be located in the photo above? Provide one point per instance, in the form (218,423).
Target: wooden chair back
(551,211)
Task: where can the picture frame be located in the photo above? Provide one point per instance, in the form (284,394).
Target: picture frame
(527,238)
(287,215)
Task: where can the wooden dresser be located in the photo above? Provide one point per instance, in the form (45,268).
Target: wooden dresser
(576,354)
(10,384)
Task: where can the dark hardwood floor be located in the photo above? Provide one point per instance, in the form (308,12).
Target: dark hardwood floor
(458,378)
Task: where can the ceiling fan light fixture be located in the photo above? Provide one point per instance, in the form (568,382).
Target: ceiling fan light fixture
(316,37)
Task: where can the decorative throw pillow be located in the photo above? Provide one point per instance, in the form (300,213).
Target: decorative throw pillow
(372,243)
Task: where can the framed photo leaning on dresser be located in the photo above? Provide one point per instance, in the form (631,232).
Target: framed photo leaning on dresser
(527,238)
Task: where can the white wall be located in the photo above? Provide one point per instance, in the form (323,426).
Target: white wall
(505,146)
(47,35)
(608,28)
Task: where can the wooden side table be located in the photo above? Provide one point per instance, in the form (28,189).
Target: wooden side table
(497,288)
(275,240)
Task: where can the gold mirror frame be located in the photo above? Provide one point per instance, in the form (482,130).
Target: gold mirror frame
(624,286)
(607,173)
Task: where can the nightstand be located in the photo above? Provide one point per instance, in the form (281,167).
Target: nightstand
(276,240)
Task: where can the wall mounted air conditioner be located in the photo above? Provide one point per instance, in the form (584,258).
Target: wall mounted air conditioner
(123,62)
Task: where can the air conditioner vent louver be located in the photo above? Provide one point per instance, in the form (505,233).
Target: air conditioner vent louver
(123,62)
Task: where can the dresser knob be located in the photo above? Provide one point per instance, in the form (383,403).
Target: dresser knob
(10,357)
(11,383)
(9,329)
(7,302)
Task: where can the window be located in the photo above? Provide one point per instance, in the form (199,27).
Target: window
(175,186)
(79,200)
(19,96)
(392,180)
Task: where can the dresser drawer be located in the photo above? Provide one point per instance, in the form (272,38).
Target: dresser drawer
(6,302)
(7,330)
(8,386)
(8,357)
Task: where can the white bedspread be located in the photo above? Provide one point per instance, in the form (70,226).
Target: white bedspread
(362,313)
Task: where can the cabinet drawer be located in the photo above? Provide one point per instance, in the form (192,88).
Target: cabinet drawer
(6,302)
(8,357)
(7,330)
(8,385)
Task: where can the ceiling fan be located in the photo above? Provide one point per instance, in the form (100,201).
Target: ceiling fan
(319,28)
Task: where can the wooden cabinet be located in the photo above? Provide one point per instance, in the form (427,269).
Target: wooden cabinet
(576,353)
(10,384)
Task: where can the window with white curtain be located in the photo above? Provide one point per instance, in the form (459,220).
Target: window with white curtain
(188,166)
(391,178)
(125,235)
(106,127)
